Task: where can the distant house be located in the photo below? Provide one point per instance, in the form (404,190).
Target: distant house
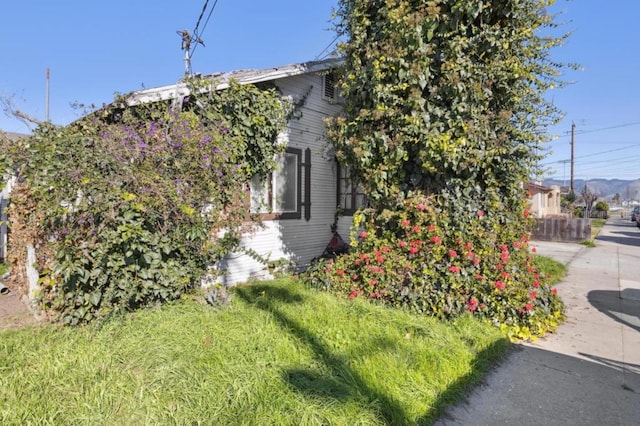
(310,183)
(544,201)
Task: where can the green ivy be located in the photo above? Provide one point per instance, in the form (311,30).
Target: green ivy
(445,102)
(133,205)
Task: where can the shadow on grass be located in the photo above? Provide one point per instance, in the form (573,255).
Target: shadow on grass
(345,383)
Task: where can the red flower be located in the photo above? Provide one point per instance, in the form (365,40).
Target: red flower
(421,207)
(517,244)
(357,262)
(554,291)
(402,244)
(436,240)
(373,283)
(479,277)
(499,285)
(536,283)
(385,249)
(533,250)
(453,254)
(431,228)
(354,294)
(504,256)
(413,249)
(504,247)
(405,223)
(476,260)
(468,246)
(363,234)
(480,213)
(500,266)
(526,214)
(416,229)
(340,272)
(505,275)
(528,307)
(473,304)
(532,295)
(454,269)
(379,259)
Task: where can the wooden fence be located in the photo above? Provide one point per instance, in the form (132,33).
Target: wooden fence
(561,229)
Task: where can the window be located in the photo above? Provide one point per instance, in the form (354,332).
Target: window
(330,91)
(278,196)
(350,196)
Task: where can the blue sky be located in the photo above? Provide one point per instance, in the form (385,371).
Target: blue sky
(95,49)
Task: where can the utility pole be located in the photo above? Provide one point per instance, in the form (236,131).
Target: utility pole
(573,133)
(46,99)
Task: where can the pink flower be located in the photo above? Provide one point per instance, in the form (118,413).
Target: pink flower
(421,207)
(533,250)
(554,291)
(454,269)
(528,307)
(405,223)
(415,229)
(413,249)
(436,240)
(504,256)
(402,244)
(363,234)
(476,261)
(431,228)
(453,254)
(473,304)
(532,295)
(480,213)
(504,247)
(500,266)
(468,246)
(526,214)
(379,259)
(536,283)
(499,285)
(340,272)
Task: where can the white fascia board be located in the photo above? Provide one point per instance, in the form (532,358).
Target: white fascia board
(222,80)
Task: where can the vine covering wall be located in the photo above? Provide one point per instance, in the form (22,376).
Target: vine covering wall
(130,206)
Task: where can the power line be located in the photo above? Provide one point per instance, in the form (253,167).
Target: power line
(196,34)
(593,154)
(327,48)
(583,132)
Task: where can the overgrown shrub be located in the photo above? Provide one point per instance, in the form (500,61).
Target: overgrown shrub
(415,259)
(132,205)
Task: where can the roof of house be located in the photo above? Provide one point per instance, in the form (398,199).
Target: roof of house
(222,79)
(531,186)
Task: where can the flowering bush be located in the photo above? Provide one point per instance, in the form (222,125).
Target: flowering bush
(413,258)
(130,207)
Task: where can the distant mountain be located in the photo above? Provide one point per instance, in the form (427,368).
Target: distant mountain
(604,188)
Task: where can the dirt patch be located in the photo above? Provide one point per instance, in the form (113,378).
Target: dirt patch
(14,312)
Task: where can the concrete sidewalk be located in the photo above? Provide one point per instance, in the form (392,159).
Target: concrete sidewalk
(588,373)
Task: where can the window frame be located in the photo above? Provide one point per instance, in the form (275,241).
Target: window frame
(353,194)
(272,202)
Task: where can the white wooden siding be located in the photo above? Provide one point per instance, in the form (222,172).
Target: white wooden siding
(297,240)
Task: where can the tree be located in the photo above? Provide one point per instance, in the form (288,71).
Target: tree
(589,199)
(444,97)
(444,115)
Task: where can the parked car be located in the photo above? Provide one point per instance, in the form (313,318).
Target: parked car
(635,214)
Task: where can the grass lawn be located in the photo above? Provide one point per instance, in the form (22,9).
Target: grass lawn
(278,354)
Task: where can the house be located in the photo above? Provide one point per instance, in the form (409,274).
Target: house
(5,189)
(310,183)
(544,201)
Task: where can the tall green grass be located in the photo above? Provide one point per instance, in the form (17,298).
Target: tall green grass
(278,354)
